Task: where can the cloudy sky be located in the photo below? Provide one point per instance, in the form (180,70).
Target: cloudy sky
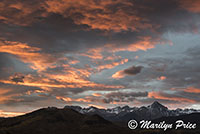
(101,53)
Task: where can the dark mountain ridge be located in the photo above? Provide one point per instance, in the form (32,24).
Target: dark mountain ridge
(58,121)
(126,113)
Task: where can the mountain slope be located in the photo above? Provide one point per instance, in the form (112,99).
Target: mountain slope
(58,121)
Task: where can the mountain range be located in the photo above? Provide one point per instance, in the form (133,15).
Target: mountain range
(77,120)
(126,113)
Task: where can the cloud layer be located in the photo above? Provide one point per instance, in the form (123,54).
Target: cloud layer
(98,53)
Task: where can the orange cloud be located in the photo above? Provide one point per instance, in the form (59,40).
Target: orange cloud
(165,96)
(34,84)
(188,89)
(67,99)
(192,90)
(161,78)
(6,95)
(136,57)
(94,53)
(74,79)
(74,62)
(118,75)
(97,106)
(97,94)
(83,100)
(144,44)
(191,5)
(38,61)
(35,91)
(112,58)
(10,114)
(71,79)
(21,13)
(95,14)
(98,15)
(111,65)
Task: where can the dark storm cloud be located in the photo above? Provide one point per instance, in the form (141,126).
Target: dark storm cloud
(17,77)
(129,71)
(68,28)
(133,70)
(20,12)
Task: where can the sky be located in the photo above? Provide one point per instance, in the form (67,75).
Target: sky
(98,53)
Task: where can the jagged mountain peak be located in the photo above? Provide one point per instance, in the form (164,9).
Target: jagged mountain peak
(92,107)
(126,107)
(156,104)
